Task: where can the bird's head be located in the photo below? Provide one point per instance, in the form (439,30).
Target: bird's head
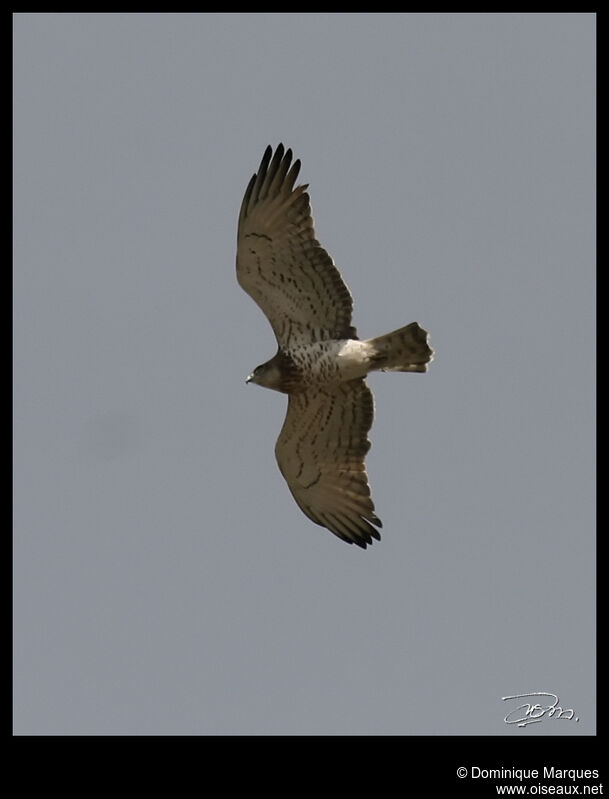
(267,375)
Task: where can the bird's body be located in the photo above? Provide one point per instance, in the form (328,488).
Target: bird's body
(317,364)
(320,362)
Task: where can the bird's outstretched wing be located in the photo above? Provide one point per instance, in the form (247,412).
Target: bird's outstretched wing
(321,451)
(280,263)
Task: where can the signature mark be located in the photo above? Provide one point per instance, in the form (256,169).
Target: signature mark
(534,712)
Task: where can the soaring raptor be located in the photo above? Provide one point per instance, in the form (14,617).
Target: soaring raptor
(320,362)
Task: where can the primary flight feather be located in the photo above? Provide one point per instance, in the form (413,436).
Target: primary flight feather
(320,362)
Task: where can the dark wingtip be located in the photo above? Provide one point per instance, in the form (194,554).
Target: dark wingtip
(279,149)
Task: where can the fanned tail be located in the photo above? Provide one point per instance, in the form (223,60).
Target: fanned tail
(403,350)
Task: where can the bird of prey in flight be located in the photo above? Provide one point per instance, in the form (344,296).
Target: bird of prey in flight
(320,361)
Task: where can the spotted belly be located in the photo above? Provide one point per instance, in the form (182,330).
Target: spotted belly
(328,362)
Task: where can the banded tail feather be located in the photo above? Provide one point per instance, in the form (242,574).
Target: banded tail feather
(403,350)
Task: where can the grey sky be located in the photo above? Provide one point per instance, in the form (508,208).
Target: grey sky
(165,581)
